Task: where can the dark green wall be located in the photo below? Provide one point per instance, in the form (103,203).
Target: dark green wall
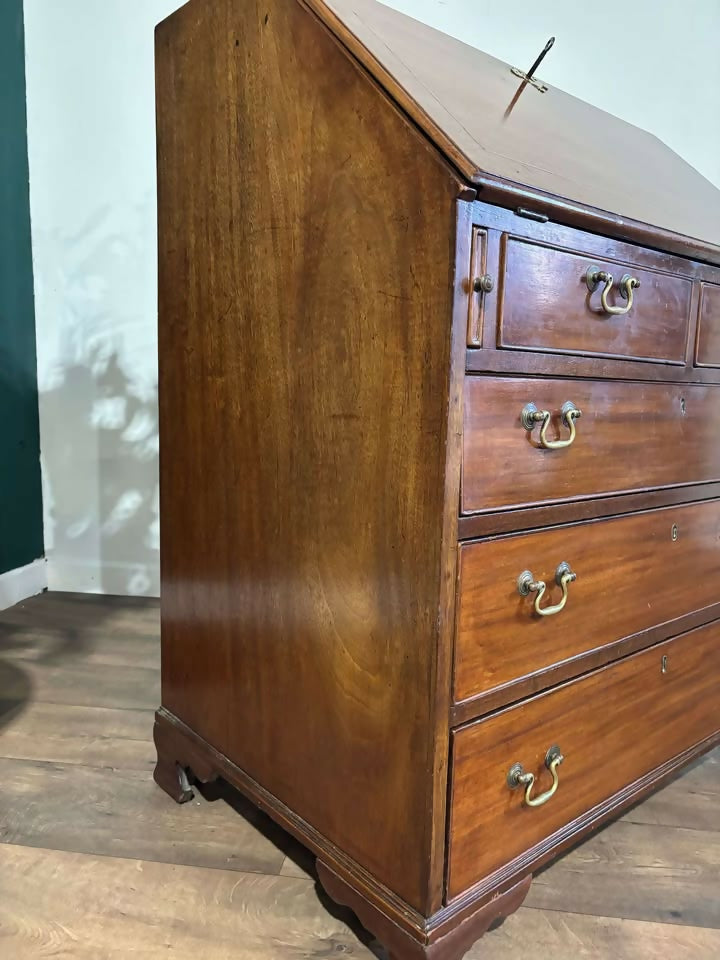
(21,533)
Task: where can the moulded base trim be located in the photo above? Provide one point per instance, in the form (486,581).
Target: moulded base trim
(17,585)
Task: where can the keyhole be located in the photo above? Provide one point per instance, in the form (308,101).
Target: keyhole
(674,531)
(682,405)
(664,664)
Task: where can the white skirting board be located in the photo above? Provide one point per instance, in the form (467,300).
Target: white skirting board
(18,585)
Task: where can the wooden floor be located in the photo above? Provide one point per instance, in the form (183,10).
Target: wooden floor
(96,862)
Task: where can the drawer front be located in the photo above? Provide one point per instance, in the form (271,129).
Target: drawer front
(633,573)
(612,727)
(547,305)
(631,436)
(707,352)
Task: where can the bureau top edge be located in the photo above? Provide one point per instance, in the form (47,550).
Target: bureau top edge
(551,220)
(527,144)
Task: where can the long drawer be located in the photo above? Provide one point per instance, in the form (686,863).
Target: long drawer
(630,436)
(633,573)
(563,301)
(612,728)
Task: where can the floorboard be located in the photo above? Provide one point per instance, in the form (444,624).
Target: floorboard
(121,813)
(96,863)
(570,936)
(637,872)
(66,905)
(691,801)
(93,736)
(80,683)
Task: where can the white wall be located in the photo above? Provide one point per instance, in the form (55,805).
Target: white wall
(92,175)
(91,120)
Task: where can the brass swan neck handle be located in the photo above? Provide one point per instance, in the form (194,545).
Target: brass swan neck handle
(628,284)
(569,413)
(518,777)
(527,584)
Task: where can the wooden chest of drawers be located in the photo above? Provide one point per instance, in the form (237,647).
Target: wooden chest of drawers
(440,478)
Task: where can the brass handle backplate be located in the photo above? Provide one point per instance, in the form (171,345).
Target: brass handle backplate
(518,777)
(569,413)
(527,584)
(628,284)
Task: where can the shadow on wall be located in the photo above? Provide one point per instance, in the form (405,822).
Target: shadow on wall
(97,359)
(100,457)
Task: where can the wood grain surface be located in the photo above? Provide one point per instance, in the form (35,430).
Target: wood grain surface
(102,908)
(631,576)
(315,289)
(307,257)
(547,305)
(708,336)
(501,133)
(613,727)
(693,800)
(560,250)
(505,465)
(564,935)
(582,881)
(533,363)
(114,801)
(64,733)
(61,898)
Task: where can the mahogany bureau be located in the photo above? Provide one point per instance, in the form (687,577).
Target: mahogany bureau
(440,469)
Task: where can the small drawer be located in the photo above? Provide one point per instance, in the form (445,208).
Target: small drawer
(627,437)
(548,305)
(633,573)
(612,728)
(707,349)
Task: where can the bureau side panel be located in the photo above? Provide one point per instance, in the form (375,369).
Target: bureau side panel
(306,291)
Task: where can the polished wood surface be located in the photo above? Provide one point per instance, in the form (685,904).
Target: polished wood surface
(523,224)
(481,264)
(485,701)
(307,250)
(195,762)
(613,727)
(547,305)
(631,576)
(533,363)
(501,228)
(87,840)
(618,420)
(329,281)
(473,526)
(452,944)
(548,144)
(708,335)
